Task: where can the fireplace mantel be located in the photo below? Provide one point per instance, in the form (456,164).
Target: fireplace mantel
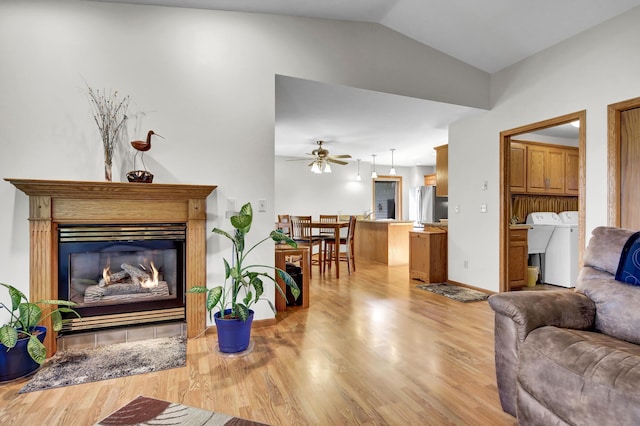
(56,201)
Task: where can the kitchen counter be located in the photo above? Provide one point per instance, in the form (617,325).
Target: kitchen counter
(383,241)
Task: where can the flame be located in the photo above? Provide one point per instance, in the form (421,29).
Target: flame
(151,282)
(106,272)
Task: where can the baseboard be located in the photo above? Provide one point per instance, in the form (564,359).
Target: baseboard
(483,290)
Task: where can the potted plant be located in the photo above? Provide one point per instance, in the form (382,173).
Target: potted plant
(242,286)
(21,347)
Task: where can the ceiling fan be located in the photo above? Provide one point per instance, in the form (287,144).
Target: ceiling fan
(322,159)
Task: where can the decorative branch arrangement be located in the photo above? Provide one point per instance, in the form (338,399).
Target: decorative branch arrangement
(110,114)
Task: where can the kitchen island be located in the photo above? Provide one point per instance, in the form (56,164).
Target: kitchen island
(383,241)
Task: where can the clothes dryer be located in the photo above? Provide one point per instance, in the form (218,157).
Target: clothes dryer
(561,260)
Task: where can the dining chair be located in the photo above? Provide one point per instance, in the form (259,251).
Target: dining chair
(284,224)
(349,247)
(301,234)
(326,234)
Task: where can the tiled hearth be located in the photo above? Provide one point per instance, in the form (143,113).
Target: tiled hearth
(121,335)
(52,203)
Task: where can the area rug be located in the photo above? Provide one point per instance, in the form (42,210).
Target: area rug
(461,294)
(150,411)
(77,366)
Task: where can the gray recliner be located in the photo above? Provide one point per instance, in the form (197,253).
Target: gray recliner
(573,357)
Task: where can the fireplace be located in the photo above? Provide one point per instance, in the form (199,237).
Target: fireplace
(57,203)
(113,271)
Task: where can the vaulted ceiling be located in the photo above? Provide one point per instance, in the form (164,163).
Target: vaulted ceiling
(488,34)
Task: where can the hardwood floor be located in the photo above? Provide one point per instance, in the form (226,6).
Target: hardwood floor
(372,349)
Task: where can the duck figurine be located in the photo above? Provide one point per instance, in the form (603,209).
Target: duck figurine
(144,145)
(141,146)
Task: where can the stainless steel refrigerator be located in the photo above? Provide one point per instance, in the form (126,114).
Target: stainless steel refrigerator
(425,207)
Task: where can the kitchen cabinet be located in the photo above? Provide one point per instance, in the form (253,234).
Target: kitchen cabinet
(543,169)
(442,170)
(430,180)
(518,256)
(518,167)
(572,172)
(383,241)
(428,256)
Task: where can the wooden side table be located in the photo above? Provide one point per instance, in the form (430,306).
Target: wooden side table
(281,254)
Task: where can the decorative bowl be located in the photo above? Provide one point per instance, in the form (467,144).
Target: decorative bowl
(141,176)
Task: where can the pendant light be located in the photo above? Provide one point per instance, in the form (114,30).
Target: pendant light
(392,171)
(358,177)
(374,175)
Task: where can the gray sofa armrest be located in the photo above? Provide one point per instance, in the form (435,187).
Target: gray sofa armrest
(533,309)
(517,314)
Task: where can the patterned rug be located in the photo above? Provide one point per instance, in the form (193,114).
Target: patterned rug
(77,366)
(461,294)
(149,411)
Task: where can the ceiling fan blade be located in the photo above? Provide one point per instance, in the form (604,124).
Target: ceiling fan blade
(333,160)
(298,159)
(341,156)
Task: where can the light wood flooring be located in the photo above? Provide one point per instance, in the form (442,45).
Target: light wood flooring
(372,349)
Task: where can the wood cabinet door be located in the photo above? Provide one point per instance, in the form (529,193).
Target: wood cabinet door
(518,257)
(518,167)
(536,179)
(442,170)
(554,170)
(572,171)
(430,180)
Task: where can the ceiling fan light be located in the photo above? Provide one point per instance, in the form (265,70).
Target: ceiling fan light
(315,168)
(327,168)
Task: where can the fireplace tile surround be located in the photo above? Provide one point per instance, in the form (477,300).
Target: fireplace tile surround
(54,202)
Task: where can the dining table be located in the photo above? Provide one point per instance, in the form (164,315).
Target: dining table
(336,227)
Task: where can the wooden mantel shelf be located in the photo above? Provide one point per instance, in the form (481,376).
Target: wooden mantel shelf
(110,190)
(52,202)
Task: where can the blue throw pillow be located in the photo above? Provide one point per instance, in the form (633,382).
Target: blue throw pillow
(629,266)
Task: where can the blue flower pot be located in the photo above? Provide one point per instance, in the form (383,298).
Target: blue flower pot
(16,362)
(233,334)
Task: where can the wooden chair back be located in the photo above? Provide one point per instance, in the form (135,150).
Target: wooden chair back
(284,223)
(327,218)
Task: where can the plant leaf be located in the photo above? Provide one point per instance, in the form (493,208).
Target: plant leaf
(227,269)
(56,319)
(241,311)
(30,315)
(16,296)
(280,237)
(198,289)
(247,298)
(36,349)
(257,284)
(8,336)
(213,297)
(290,282)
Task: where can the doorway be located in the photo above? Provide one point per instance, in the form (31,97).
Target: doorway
(387,197)
(624,131)
(505,187)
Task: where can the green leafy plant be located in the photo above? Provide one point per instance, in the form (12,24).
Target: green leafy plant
(25,316)
(243,285)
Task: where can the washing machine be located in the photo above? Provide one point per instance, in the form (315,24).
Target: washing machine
(561,260)
(538,237)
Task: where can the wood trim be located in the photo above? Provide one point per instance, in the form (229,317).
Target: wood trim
(614,112)
(505,190)
(53,202)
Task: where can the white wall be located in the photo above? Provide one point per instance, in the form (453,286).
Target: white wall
(205,81)
(589,71)
(300,192)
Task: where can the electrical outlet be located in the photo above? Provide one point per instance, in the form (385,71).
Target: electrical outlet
(485,185)
(231,204)
(483,208)
(262,205)
(457,209)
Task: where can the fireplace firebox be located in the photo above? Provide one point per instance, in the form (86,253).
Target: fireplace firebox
(121,275)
